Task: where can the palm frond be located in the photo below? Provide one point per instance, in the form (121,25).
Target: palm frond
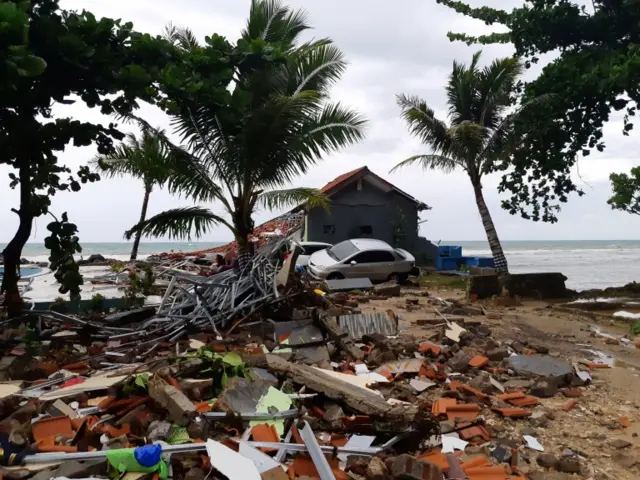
(314,66)
(301,141)
(430,162)
(183,37)
(423,124)
(273,22)
(280,199)
(468,138)
(178,223)
(495,87)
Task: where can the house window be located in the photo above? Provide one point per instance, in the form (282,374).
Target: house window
(366,230)
(329,229)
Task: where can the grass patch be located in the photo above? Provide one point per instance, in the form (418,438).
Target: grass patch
(451,282)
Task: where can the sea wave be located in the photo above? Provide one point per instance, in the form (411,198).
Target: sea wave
(45,258)
(556,251)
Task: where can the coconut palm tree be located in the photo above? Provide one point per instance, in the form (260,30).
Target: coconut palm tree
(279,122)
(146,158)
(480,134)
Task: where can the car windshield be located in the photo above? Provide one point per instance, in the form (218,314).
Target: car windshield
(342,250)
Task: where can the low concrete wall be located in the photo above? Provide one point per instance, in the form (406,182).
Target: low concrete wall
(526,285)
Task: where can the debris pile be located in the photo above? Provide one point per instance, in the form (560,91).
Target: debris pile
(265,375)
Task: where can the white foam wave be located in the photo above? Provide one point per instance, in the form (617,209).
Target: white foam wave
(624,314)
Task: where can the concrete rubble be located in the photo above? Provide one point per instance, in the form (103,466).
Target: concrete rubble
(242,376)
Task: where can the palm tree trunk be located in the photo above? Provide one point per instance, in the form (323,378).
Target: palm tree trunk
(244,227)
(492,236)
(143,217)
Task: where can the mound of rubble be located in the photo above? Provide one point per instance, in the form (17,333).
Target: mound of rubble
(317,391)
(260,374)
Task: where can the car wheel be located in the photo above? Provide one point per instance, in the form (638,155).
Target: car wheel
(398,277)
(335,276)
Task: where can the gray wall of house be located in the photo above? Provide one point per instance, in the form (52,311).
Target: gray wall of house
(354,213)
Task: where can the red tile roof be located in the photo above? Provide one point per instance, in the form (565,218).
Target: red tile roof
(339,182)
(341,179)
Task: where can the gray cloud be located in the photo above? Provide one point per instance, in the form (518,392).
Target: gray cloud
(392,48)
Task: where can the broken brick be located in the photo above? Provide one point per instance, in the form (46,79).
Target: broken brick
(406,467)
(513,412)
(429,348)
(625,422)
(467,411)
(440,406)
(595,366)
(478,361)
(473,433)
(569,405)
(527,401)
(512,396)
(472,391)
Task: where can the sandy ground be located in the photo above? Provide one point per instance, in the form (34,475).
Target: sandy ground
(589,428)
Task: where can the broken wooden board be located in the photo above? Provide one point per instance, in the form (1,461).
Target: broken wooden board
(89,385)
(361,400)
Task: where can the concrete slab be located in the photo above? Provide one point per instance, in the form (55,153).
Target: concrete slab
(540,365)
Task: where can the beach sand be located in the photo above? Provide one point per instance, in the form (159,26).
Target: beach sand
(591,426)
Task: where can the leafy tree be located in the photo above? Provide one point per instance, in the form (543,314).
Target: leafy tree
(276,123)
(102,63)
(145,158)
(626,191)
(17,60)
(596,73)
(479,136)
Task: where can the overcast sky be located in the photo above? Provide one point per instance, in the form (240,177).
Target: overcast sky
(392,47)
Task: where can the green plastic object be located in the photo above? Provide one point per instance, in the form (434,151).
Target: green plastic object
(124,460)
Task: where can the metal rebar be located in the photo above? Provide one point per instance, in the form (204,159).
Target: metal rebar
(253,415)
(313,447)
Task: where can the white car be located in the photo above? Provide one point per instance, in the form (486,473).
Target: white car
(307,249)
(362,258)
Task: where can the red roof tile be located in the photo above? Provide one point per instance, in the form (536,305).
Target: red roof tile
(341,179)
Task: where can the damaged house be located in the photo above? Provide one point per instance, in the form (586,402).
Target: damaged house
(364,205)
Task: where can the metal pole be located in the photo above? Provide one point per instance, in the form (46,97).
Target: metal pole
(319,460)
(195,447)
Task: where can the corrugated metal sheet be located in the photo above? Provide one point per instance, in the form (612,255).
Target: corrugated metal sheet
(368,323)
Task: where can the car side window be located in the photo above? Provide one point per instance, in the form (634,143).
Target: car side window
(373,256)
(309,249)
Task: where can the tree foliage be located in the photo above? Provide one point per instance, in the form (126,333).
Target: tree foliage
(276,122)
(63,244)
(146,158)
(100,63)
(595,73)
(480,135)
(17,60)
(626,191)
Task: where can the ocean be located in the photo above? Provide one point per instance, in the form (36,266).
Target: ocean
(587,264)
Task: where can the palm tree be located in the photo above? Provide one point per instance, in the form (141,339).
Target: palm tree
(146,158)
(244,155)
(480,133)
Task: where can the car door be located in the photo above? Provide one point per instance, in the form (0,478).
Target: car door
(358,266)
(375,265)
(382,265)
